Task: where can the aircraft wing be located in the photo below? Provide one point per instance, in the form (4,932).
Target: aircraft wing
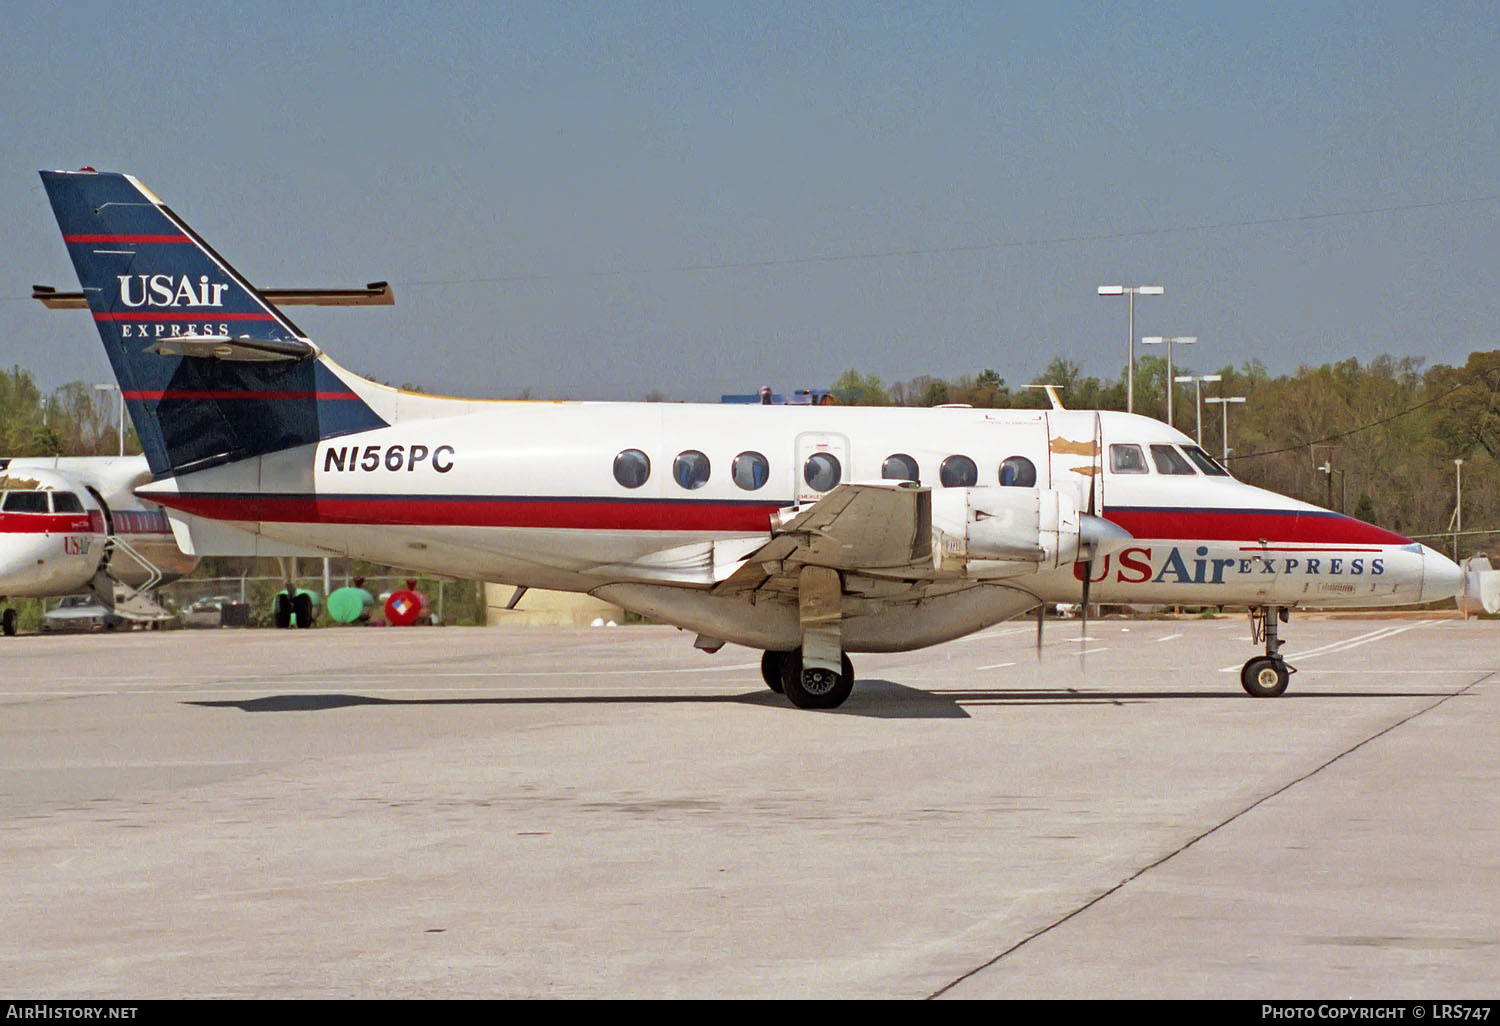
(882,525)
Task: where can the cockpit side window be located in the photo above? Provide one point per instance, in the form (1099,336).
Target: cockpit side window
(1126,459)
(66,502)
(1169,461)
(1206,463)
(25,502)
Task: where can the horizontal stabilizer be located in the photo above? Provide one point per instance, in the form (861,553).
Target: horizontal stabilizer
(242,349)
(377,293)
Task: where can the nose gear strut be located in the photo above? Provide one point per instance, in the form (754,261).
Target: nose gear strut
(1267,676)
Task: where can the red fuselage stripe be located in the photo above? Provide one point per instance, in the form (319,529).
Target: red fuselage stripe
(649,515)
(1253,525)
(598,515)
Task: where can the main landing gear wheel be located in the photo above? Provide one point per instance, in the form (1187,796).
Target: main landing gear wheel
(302,608)
(8,625)
(770,669)
(282,614)
(1265,677)
(815,689)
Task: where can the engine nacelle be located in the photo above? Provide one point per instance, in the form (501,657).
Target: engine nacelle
(998,531)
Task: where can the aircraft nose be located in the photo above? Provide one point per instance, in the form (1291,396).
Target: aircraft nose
(1441,577)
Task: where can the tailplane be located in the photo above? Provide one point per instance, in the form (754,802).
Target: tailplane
(209,370)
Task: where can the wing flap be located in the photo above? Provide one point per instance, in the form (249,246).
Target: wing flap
(882,525)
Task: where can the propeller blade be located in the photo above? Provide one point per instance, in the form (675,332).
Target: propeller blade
(1041,615)
(1096,468)
(1088,580)
(1096,465)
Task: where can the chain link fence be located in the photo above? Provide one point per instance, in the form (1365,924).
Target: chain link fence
(193,598)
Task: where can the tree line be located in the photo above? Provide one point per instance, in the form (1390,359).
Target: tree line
(1377,440)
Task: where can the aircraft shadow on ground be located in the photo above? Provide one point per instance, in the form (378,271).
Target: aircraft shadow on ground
(872,699)
(879,699)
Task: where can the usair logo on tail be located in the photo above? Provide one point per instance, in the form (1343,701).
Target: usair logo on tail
(162,290)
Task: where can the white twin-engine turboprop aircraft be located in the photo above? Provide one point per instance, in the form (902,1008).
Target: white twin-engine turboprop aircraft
(807,532)
(72,524)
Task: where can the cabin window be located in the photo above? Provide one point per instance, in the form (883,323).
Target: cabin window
(1018,472)
(899,467)
(822,471)
(1126,459)
(690,469)
(1206,463)
(958,472)
(750,471)
(632,467)
(66,502)
(25,502)
(1169,461)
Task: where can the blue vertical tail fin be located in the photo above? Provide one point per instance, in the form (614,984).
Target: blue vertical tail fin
(209,370)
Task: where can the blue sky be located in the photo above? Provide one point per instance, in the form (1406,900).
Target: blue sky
(606,200)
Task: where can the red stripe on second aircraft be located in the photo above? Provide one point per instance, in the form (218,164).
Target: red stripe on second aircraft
(43,523)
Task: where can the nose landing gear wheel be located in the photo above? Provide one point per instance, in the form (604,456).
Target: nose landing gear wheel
(815,689)
(1264,677)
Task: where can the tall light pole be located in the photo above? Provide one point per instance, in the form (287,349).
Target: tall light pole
(1224,401)
(1182,340)
(1198,380)
(1458,504)
(1132,291)
(116,388)
(1328,468)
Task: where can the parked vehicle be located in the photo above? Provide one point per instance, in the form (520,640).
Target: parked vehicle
(80,613)
(208,612)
